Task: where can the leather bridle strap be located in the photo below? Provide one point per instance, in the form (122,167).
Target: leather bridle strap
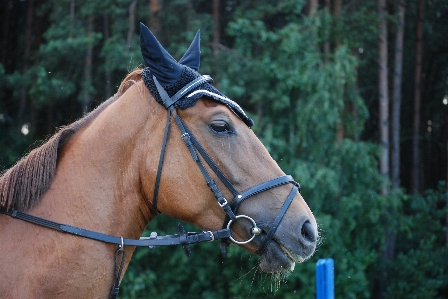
(170,101)
(208,159)
(161,158)
(237,200)
(268,238)
(239,197)
(120,257)
(280,181)
(277,182)
(187,138)
(178,239)
(195,147)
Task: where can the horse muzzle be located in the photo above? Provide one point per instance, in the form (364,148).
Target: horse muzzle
(286,249)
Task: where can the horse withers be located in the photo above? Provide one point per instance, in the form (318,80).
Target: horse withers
(167,142)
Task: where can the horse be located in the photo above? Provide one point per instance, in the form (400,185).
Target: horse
(168,142)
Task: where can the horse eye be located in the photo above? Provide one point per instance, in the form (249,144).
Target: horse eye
(220,127)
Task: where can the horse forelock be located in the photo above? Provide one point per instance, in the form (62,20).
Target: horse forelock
(22,186)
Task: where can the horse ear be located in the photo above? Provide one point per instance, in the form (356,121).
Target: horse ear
(161,64)
(192,58)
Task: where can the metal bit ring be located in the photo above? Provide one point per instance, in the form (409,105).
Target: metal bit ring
(252,230)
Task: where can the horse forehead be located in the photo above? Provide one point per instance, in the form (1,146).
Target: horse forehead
(205,107)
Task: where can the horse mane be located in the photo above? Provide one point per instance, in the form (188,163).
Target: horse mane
(22,186)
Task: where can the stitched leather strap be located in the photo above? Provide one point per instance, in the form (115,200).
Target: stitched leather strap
(187,238)
(187,137)
(120,257)
(194,147)
(268,238)
(161,159)
(190,86)
(209,161)
(283,180)
(170,101)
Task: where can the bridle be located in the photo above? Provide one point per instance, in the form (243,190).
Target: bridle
(194,148)
(183,238)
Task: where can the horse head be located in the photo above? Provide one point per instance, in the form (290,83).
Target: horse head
(213,171)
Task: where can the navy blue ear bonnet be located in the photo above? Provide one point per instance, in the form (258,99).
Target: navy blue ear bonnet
(173,75)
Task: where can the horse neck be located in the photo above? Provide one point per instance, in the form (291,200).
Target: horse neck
(97,183)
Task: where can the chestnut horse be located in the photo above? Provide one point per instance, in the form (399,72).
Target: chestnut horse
(103,173)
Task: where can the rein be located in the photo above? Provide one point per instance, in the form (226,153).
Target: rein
(180,239)
(183,238)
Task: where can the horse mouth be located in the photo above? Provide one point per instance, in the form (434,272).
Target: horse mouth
(279,258)
(294,257)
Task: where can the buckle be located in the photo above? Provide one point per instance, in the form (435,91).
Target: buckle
(222,205)
(212,236)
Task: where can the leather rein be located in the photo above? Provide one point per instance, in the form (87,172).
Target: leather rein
(183,238)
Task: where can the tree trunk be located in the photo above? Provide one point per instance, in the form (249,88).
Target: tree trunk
(383,92)
(131,24)
(396,98)
(155,10)
(387,252)
(88,68)
(6,13)
(337,10)
(355,52)
(49,128)
(72,10)
(327,42)
(312,7)
(72,16)
(216,26)
(26,56)
(38,32)
(108,85)
(417,99)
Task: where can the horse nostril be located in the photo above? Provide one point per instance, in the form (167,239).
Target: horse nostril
(307,233)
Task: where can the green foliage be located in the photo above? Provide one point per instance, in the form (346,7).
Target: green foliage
(308,111)
(421,264)
(298,97)
(48,88)
(12,145)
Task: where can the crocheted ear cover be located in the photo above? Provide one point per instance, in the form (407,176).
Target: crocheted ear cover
(173,76)
(204,90)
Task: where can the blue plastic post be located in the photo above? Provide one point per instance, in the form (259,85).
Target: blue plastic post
(325,279)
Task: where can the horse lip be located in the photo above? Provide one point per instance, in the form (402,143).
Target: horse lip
(290,254)
(293,257)
(286,253)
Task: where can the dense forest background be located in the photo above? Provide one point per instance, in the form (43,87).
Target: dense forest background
(349,96)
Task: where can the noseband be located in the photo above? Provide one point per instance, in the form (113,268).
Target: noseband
(194,148)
